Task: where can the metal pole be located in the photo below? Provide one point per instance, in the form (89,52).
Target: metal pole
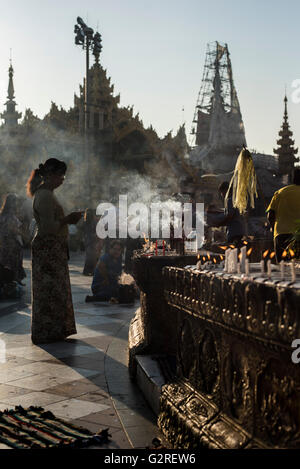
(87,85)
(86,124)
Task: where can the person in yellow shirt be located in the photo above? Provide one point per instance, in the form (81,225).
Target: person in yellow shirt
(284,214)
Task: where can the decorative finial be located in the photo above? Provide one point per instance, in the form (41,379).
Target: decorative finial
(285,107)
(10,90)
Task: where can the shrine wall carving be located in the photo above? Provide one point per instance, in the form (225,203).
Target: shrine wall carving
(236,384)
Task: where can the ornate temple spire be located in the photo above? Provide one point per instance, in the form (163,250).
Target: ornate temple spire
(10,115)
(286,151)
(10,90)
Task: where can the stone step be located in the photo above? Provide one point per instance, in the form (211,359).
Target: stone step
(150,380)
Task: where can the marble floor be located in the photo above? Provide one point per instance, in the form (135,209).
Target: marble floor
(83,379)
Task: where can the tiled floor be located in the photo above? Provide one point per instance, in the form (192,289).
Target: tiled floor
(83,379)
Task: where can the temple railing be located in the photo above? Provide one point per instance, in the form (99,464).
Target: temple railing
(262,310)
(236,384)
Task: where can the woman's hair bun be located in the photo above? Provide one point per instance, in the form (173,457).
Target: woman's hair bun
(40,170)
(50,166)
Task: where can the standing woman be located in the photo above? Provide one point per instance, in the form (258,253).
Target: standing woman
(11,244)
(52,308)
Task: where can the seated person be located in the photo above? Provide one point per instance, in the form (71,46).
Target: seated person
(107,272)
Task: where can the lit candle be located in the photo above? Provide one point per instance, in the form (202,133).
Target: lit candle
(232,261)
(226,260)
(269,269)
(243,256)
(247,267)
(293,270)
(235,259)
(265,258)
(262,267)
(282,270)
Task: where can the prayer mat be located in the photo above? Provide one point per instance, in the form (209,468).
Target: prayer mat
(35,428)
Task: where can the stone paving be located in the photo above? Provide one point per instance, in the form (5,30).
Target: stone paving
(83,379)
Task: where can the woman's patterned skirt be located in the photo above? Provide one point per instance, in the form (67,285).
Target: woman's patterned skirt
(52,308)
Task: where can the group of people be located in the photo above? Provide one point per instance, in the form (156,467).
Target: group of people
(283,214)
(52,307)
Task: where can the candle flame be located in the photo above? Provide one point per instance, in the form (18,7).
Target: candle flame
(265,253)
(151,247)
(222,258)
(208,256)
(145,239)
(245,242)
(284,254)
(272,255)
(249,251)
(240,256)
(215,261)
(198,257)
(231,246)
(292,253)
(223,247)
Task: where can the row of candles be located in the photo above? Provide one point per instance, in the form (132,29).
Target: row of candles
(235,262)
(239,263)
(210,258)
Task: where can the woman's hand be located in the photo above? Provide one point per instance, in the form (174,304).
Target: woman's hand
(73,218)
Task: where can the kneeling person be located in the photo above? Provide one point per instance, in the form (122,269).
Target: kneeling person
(108,270)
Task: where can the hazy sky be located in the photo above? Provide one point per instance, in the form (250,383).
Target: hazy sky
(154,52)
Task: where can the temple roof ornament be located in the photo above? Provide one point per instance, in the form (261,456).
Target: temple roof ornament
(286,151)
(115,128)
(102,102)
(10,115)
